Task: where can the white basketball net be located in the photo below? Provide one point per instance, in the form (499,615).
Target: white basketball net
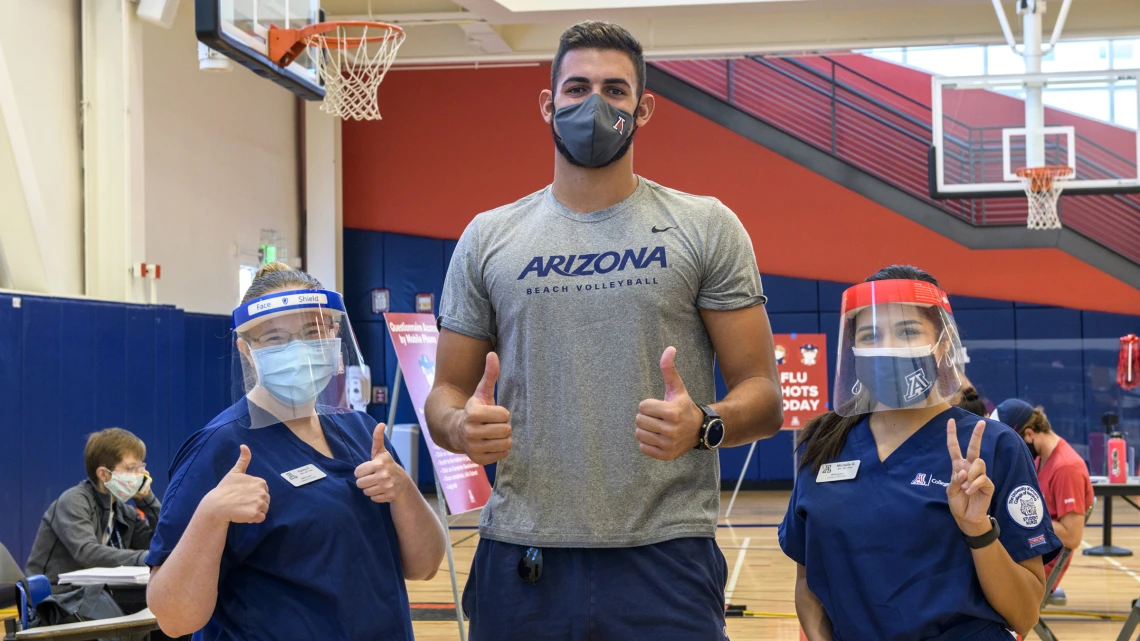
(1043,187)
(352,73)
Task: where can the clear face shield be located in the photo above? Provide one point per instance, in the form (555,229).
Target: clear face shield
(295,356)
(898,348)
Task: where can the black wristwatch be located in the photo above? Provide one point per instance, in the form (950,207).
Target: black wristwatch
(712,430)
(982,540)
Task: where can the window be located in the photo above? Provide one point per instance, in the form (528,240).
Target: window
(948,61)
(1002,60)
(1125,113)
(1124,54)
(1091,103)
(1082,55)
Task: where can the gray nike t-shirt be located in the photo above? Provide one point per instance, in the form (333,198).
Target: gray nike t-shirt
(579,308)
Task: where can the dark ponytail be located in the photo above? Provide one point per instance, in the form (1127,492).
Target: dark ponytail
(823,438)
(972,401)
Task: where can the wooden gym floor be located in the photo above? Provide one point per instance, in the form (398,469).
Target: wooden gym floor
(766,578)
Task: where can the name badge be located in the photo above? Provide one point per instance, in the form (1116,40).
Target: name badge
(842,471)
(303,475)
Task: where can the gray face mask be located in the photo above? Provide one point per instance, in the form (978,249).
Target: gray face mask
(593,132)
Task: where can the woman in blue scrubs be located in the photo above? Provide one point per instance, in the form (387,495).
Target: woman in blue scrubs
(327,557)
(911,519)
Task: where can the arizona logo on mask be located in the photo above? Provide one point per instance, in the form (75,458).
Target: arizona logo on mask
(620,125)
(917,384)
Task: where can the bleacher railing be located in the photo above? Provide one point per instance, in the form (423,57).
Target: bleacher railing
(886,133)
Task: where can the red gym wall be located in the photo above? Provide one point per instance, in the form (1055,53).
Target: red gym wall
(454,143)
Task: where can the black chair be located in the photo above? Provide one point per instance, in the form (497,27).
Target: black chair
(1054,595)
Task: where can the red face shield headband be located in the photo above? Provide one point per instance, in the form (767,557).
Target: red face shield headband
(881,292)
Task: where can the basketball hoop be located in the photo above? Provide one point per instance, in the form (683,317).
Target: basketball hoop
(351,66)
(1043,186)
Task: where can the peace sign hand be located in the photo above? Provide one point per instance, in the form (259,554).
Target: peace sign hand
(970,490)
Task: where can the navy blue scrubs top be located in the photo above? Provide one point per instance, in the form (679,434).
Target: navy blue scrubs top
(325,563)
(882,552)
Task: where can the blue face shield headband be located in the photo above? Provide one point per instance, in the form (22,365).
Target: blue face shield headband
(293,366)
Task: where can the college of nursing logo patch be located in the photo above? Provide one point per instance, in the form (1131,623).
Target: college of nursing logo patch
(920,479)
(1025,506)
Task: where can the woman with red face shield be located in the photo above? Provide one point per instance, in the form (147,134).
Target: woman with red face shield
(911,518)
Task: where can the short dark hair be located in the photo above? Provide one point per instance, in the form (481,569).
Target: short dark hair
(595,34)
(108,447)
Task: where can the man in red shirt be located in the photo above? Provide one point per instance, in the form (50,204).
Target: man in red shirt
(1062,473)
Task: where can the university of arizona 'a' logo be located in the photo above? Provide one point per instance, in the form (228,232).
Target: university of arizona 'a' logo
(620,125)
(917,384)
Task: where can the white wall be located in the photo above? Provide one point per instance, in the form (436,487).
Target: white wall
(322,177)
(220,166)
(39,39)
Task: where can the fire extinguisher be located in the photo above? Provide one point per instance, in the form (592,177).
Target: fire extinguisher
(1117,451)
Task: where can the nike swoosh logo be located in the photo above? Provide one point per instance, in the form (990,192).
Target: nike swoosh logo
(658,231)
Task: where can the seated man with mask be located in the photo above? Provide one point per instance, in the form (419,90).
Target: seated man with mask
(1062,473)
(91,524)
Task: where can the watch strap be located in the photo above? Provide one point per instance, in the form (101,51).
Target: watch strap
(982,540)
(702,434)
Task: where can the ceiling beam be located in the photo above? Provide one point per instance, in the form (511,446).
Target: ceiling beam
(796,28)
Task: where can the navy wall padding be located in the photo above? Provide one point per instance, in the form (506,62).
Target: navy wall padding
(794,323)
(11,445)
(959,303)
(363,272)
(831,295)
(787,294)
(72,367)
(1101,346)
(987,335)
(1063,359)
(448,250)
(1050,367)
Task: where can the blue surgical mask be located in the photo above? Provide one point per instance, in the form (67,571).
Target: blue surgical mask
(897,378)
(297,372)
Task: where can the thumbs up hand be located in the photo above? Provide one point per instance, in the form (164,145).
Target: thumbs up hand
(670,427)
(239,497)
(381,478)
(485,432)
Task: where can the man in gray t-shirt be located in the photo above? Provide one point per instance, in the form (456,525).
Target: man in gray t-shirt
(597,306)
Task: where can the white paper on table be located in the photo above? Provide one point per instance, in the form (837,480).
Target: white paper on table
(126,574)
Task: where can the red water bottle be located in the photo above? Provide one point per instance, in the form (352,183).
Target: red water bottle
(1117,459)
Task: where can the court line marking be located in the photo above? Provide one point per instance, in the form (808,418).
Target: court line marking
(736,570)
(1120,566)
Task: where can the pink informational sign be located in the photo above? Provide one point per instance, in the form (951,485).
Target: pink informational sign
(465,484)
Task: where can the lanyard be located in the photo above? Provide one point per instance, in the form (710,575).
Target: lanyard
(112,529)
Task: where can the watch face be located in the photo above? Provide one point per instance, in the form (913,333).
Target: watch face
(715,433)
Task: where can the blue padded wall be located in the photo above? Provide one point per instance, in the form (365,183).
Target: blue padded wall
(1101,347)
(987,335)
(1050,366)
(1061,358)
(72,367)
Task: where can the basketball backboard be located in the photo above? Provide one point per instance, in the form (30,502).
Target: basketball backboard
(239,29)
(981,137)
